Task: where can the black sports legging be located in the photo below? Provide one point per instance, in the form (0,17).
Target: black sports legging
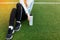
(17,13)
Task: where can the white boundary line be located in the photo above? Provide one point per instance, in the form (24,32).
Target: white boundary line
(35,2)
(47,2)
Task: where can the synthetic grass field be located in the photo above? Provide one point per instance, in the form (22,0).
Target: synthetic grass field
(46,22)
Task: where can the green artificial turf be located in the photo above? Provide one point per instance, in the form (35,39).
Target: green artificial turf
(46,23)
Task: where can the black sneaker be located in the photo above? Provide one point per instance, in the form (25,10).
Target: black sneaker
(17,26)
(10,34)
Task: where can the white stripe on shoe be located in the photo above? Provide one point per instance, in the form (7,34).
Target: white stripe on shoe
(11,27)
(18,21)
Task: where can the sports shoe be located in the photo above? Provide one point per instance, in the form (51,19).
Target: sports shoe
(10,34)
(17,26)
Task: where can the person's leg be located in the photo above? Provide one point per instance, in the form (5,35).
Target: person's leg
(18,17)
(19,12)
(21,15)
(11,24)
(24,15)
(12,17)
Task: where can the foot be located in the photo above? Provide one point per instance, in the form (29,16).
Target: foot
(17,26)
(10,34)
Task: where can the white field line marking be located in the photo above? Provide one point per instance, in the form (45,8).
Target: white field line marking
(47,2)
(34,3)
